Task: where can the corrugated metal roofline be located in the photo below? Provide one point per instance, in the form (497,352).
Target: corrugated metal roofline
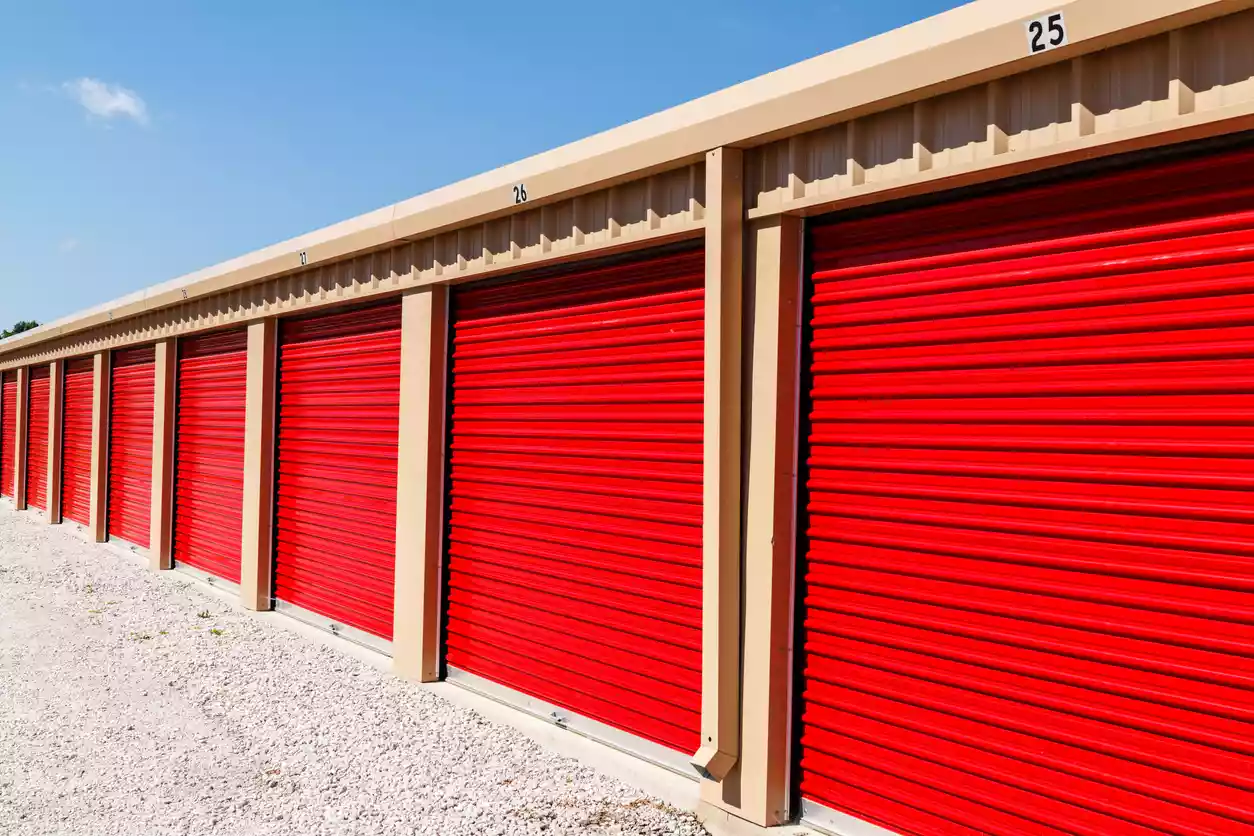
(738,115)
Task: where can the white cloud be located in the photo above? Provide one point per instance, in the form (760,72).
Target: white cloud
(69,245)
(107,100)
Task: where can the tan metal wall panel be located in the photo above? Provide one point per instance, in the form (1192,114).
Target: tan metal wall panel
(1218,66)
(1032,110)
(1148,84)
(973,43)
(1126,86)
(660,207)
(1196,80)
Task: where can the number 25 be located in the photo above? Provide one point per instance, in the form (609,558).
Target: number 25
(1057,34)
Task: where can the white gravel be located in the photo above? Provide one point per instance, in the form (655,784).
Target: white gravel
(130,704)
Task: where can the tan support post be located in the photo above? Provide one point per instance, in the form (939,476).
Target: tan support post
(258,545)
(720,658)
(161,519)
(19,438)
(420,484)
(101,371)
(773,279)
(56,398)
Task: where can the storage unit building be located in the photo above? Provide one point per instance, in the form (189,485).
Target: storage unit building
(39,394)
(574,563)
(1028,586)
(335,512)
(131,409)
(871,436)
(209,476)
(76,429)
(8,433)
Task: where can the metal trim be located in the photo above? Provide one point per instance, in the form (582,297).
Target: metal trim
(204,577)
(343,631)
(126,544)
(800,423)
(646,750)
(836,823)
(801,518)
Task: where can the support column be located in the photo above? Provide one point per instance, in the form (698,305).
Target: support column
(56,400)
(259,439)
(161,519)
(101,377)
(773,284)
(420,484)
(19,438)
(720,668)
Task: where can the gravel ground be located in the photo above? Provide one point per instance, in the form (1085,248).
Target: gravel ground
(130,704)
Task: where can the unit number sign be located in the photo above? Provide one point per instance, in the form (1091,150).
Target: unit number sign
(1046,32)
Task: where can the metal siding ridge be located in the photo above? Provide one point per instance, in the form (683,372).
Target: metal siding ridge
(977,41)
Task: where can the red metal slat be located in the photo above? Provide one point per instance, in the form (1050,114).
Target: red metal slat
(209,470)
(131,412)
(39,394)
(76,432)
(339,401)
(1029,586)
(575,497)
(8,433)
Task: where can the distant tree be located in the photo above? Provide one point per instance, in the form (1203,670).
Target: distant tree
(20,326)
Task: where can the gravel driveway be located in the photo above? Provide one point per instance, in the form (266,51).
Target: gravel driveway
(130,704)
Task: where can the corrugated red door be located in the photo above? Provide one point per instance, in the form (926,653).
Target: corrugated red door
(76,441)
(1030,579)
(8,433)
(339,400)
(37,438)
(132,393)
(209,479)
(575,533)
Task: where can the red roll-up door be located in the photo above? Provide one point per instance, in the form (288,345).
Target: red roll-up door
(132,392)
(37,438)
(8,433)
(575,539)
(76,441)
(209,486)
(1029,586)
(339,401)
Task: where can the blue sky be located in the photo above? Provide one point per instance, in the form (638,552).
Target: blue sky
(143,140)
